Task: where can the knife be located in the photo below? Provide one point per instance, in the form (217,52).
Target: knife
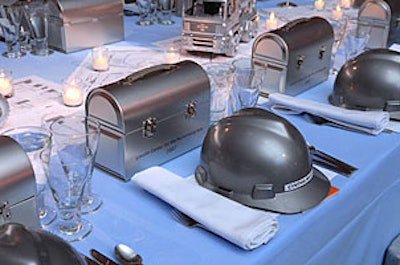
(103,259)
(330,162)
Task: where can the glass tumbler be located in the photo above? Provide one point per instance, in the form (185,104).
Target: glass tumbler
(35,141)
(221,81)
(76,138)
(248,81)
(337,55)
(356,38)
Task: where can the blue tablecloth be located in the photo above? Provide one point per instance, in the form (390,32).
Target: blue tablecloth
(354,226)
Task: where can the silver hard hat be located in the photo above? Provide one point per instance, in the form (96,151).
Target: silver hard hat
(20,245)
(259,159)
(370,81)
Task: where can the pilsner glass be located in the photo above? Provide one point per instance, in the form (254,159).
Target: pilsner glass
(76,135)
(38,17)
(70,168)
(67,178)
(147,12)
(11,26)
(165,12)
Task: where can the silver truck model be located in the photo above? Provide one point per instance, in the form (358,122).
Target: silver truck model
(217,26)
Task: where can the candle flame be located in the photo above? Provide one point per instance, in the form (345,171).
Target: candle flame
(272,16)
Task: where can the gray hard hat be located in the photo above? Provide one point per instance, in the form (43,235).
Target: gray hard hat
(20,245)
(261,160)
(370,81)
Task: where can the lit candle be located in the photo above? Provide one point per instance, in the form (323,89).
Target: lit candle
(172,55)
(337,13)
(6,87)
(346,4)
(272,22)
(319,5)
(72,95)
(100,59)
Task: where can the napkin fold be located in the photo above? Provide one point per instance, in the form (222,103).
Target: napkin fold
(372,122)
(239,224)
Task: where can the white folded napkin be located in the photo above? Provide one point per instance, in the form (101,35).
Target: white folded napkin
(241,225)
(373,122)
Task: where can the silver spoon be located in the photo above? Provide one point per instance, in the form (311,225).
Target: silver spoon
(127,255)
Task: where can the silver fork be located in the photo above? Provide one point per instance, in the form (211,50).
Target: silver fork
(184,218)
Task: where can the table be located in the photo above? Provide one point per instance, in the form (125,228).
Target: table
(354,226)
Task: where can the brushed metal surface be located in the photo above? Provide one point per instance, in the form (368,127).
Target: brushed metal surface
(71,20)
(17,185)
(296,56)
(175,98)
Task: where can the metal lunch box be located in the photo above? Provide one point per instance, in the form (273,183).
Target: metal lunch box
(376,15)
(296,56)
(17,185)
(70,22)
(394,30)
(150,117)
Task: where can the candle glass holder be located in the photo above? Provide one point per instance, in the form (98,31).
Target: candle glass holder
(337,13)
(172,54)
(6,86)
(271,23)
(346,4)
(10,26)
(100,58)
(319,5)
(73,93)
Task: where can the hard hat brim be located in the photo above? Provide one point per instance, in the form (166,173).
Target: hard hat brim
(297,200)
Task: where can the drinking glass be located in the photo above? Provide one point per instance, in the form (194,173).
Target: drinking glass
(77,136)
(147,9)
(248,81)
(287,4)
(10,26)
(221,81)
(165,12)
(38,17)
(355,38)
(67,177)
(338,33)
(34,141)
